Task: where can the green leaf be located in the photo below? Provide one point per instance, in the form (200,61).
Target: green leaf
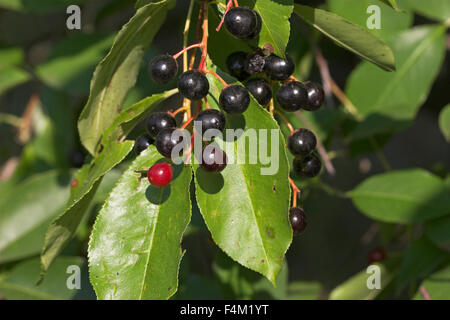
(26,211)
(434,9)
(407,196)
(303,290)
(389,101)
(421,258)
(392,4)
(349,36)
(245,208)
(11,77)
(437,285)
(241,283)
(11,56)
(355,288)
(134,251)
(84,186)
(117,73)
(41,6)
(275,22)
(19,283)
(444,122)
(72,61)
(438,232)
(356,11)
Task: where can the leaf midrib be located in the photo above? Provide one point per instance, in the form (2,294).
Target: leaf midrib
(390,196)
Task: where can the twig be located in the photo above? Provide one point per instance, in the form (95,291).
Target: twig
(26,122)
(320,147)
(424,293)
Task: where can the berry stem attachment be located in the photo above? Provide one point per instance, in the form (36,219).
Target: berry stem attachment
(177,111)
(187,123)
(175,56)
(217,76)
(229,5)
(296,192)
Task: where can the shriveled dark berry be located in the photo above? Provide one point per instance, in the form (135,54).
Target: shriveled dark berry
(255,63)
(234,99)
(166,141)
(308,166)
(142,142)
(292,96)
(214,159)
(211,119)
(260,89)
(163,68)
(242,23)
(278,68)
(301,142)
(315,96)
(193,85)
(160,174)
(297,217)
(158,121)
(377,255)
(236,65)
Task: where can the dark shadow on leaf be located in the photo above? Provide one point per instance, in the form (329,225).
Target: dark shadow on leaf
(157,195)
(209,182)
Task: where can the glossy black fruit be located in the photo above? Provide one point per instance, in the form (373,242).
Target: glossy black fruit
(255,63)
(234,99)
(142,142)
(301,142)
(260,89)
(214,159)
(315,96)
(297,217)
(193,85)
(211,119)
(158,121)
(292,96)
(308,166)
(243,23)
(235,64)
(163,68)
(165,142)
(278,68)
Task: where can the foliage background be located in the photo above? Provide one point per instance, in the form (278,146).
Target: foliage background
(45,72)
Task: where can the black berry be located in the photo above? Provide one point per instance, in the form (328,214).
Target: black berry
(165,142)
(292,96)
(163,68)
(315,96)
(193,85)
(242,23)
(234,99)
(158,121)
(308,166)
(257,30)
(235,64)
(142,142)
(301,142)
(260,89)
(214,159)
(297,217)
(211,119)
(278,68)
(255,63)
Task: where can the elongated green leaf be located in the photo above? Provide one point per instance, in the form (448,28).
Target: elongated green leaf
(84,186)
(392,4)
(11,77)
(11,56)
(391,22)
(389,101)
(434,9)
(437,285)
(421,258)
(19,283)
(304,290)
(72,61)
(407,196)
(246,206)
(26,211)
(444,122)
(134,251)
(275,28)
(350,36)
(117,73)
(356,287)
(438,231)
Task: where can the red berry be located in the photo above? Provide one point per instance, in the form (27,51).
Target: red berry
(160,174)
(377,255)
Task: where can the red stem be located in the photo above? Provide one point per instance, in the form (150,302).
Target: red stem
(217,76)
(229,5)
(175,56)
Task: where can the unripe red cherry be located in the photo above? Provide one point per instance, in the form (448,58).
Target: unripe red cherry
(160,174)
